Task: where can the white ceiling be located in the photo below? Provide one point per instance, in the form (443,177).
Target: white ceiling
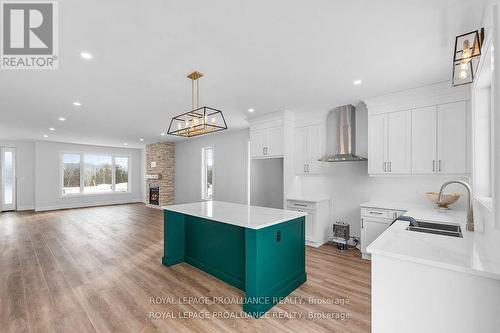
(266,55)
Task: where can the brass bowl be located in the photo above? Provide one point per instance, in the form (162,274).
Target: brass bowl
(446,199)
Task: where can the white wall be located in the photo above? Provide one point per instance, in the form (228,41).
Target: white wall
(25,172)
(48,173)
(230,163)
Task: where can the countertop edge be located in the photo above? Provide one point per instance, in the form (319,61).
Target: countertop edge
(265,225)
(434,264)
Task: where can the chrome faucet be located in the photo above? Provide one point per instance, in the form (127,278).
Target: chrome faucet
(470,214)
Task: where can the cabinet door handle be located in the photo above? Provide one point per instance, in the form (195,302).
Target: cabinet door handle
(385,166)
(263,150)
(433,165)
(305,168)
(439,165)
(376,213)
(362,224)
(300,205)
(390,166)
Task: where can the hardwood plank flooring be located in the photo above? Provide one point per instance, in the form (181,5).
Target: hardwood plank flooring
(96,270)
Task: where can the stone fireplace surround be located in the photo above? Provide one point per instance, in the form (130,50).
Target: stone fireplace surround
(163,155)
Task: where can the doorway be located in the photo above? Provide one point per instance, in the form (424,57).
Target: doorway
(8,178)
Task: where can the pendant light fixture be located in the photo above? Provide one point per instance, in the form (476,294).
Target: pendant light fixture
(466,56)
(200,120)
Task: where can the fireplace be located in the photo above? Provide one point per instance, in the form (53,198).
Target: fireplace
(154,195)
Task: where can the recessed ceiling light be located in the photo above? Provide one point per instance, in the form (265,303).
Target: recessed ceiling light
(45,136)
(141,139)
(357,82)
(162,134)
(86,55)
(251,110)
(62,119)
(52,129)
(125,144)
(77,103)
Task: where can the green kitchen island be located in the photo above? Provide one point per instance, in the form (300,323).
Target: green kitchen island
(258,250)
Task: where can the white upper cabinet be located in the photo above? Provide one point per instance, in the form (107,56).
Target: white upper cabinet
(267,142)
(420,131)
(309,147)
(301,150)
(424,131)
(399,142)
(377,144)
(389,143)
(452,138)
(275,141)
(439,139)
(258,142)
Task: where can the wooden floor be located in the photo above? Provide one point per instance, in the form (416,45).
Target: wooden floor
(96,270)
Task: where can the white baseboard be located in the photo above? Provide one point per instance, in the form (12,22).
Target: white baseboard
(21,208)
(90,204)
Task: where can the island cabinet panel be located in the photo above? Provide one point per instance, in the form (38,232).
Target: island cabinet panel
(216,248)
(275,264)
(173,235)
(266,263)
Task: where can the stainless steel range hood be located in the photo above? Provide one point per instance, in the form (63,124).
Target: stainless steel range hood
(346,136)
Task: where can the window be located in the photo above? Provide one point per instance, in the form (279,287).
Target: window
(71,174)
(207,173)
(121,174)
(97,174)
(93,174)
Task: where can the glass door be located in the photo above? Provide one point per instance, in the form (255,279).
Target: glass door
(8,179)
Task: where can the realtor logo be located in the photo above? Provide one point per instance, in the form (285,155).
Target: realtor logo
(29,35)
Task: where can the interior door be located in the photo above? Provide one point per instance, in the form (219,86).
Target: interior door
(452,138)
(377,141)
(399,142)
(424,140)
(8,177)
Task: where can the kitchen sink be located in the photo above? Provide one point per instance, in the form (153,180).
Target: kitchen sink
(452,230)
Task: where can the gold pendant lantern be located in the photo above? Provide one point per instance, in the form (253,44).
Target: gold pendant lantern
(200,120)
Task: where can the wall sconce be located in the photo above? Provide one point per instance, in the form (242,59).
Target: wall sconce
(466,57)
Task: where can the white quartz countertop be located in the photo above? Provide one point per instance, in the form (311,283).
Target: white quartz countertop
(465,254)
(246,216)
(297,197)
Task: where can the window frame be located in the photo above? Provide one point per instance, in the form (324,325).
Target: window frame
(82,185)
(478,88)
(204,195)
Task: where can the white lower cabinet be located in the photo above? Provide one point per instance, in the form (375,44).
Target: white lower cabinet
(310,220)
(374,221)
(318,225)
